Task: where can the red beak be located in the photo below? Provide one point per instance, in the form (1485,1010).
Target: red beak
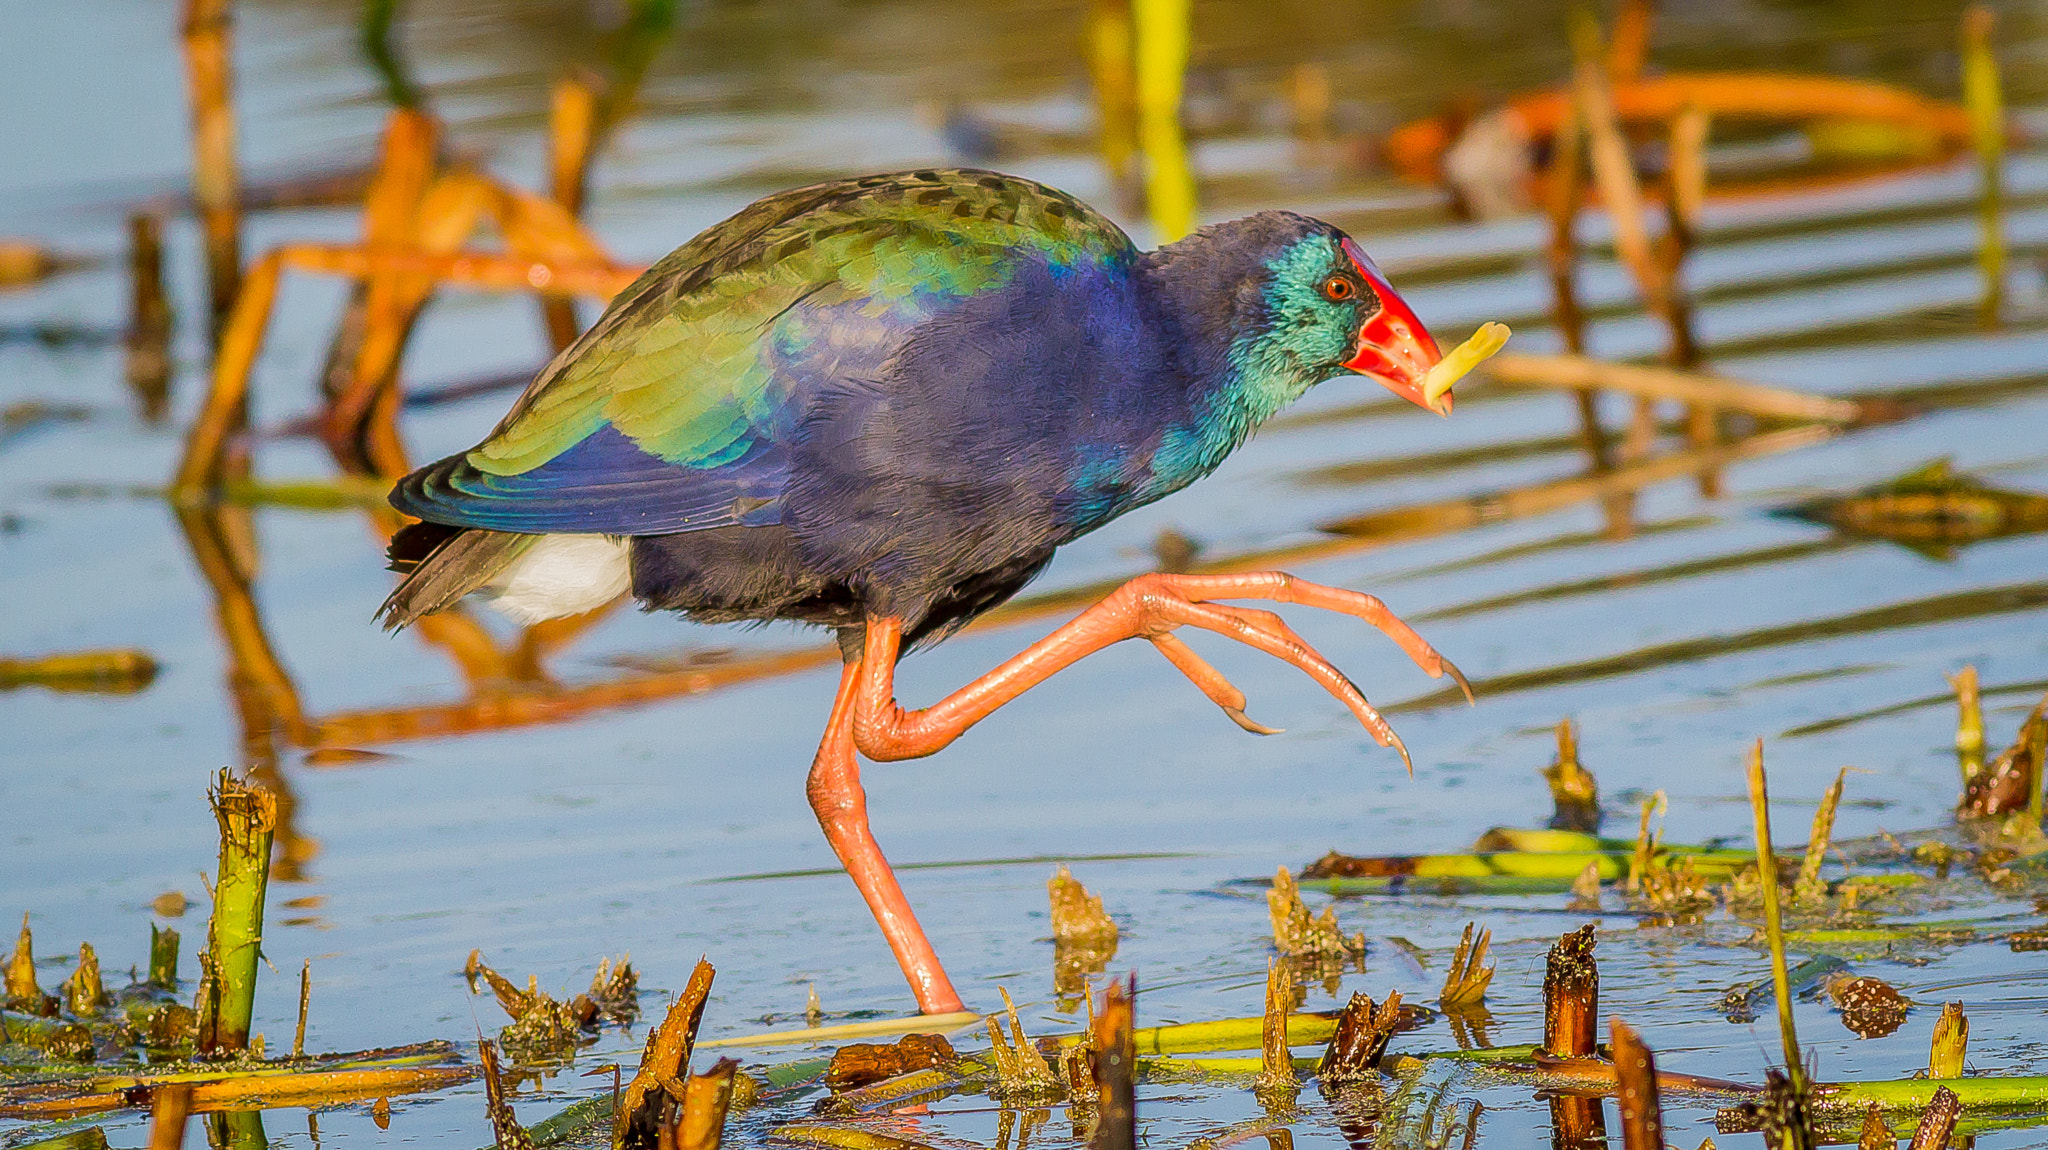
(1393,346)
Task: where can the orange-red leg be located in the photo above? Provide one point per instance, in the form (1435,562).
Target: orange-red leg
(1150,606)
(842,808)
(866,717)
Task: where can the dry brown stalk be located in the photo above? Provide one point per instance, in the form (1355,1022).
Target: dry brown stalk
(1561,254)
(1296,934)
(117,671)
(1614,177)
(1808,888)
(572,135)
(305,1004)
(1115,1064)
(25,262)
(1938,1125)
(237,1092)
(1649,382)
(148,340)
(637,1123)
(1571,996)
(1466,982)
(169,1106)
(1574,793)
(1951,1041)
(242,338)
(1635,1073)
(209,67)
(1876,1133)
(1628,47)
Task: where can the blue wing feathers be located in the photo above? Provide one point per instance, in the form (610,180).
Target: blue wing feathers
(604,484)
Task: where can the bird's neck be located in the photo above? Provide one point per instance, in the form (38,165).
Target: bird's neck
(1207,302)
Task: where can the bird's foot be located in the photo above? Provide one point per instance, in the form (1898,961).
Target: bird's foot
(1172,601)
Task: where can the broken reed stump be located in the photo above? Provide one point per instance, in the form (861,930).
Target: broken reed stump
(1951,1040)
(1571,996)
(1355,1050)
(638,1122)
(1574,794)
(1635,1074)
(147,342)
(1276,1085)
(1876,1133)
(1115,1059)
(1969,723)
(22,992)
(1938,1124)
(247,816)
(163,957)
(700,1122)
(84,992)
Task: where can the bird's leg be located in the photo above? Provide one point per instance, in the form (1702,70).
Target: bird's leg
(842,806)
(1150,606)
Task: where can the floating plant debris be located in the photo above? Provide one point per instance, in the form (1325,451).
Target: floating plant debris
(544,1029)
(1298,934)
(1932,509)
(106,672)
(2012,780)
(1871,1007)
(865,1063)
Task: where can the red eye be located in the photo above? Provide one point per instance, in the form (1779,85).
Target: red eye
(1339,288)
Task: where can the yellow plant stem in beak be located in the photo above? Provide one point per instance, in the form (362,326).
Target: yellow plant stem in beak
(1436,385)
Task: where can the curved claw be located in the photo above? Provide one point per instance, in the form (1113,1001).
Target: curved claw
(1238,716)
(1464,685)
(1394,741)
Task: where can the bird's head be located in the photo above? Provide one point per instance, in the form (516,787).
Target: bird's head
(1327,299)
(1305,303)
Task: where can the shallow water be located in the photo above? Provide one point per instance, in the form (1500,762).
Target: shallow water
(621,830)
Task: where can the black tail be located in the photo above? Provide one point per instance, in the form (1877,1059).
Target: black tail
(442,564)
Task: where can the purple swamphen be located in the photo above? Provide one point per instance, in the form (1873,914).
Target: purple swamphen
(879,405)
